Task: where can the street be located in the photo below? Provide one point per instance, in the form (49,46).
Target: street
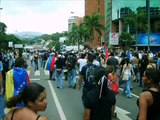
(66,104)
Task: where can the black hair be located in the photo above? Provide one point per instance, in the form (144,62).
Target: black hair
(90,57)
(112,54)
(153,74)
(83,55)
(127,60)
(101,73)
(29,93)
(19,62)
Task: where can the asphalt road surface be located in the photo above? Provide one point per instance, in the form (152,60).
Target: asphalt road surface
(66,104)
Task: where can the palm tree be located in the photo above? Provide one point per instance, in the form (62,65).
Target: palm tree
(76,34)
(125,40)
(92,24)
(137,21)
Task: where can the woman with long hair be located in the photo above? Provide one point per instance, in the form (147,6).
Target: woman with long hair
(34,98)
(128,70)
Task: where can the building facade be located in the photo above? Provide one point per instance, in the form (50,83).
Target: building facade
(92,6)
(114,12)
(74,20)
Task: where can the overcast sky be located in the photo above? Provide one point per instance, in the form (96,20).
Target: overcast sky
(45,16)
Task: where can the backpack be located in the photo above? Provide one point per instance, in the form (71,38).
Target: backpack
(112,84)
(90,75)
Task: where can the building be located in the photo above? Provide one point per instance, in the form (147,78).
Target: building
(121,8)
(92,6)
(114,12)
(74,20)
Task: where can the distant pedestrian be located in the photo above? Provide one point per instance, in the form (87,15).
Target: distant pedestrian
(142,67)
(86,76)
(129,72)
(59,71)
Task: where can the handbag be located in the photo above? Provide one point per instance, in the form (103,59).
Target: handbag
(59,71)
(125,77)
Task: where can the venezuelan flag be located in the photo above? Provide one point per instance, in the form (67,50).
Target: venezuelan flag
(50,63)
(16,80)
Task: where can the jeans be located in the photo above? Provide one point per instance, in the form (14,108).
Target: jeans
(59,80)
(127,88)
(2,106)
(71,77)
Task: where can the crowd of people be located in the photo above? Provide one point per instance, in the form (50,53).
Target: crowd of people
(99,76)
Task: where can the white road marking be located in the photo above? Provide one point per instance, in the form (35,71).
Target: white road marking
(131,93)
(58,105)
(34,79)
(121,114)
(46,72)
(37,72)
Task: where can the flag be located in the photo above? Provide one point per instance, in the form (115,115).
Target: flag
(16,80)
(52,63)
(48,63)
(105,50)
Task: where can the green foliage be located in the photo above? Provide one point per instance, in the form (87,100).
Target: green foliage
(92,24)
(125,40)
(3,27)
(54,46)
(137,21)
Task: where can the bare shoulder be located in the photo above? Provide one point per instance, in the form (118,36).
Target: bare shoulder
(146,98)
(9,114)
(43,118)
(146,95)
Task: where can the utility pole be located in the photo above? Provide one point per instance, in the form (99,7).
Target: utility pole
(148,21)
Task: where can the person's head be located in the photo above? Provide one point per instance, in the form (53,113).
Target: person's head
(19,62)
(151,60)
(101,79)
(90,58)
(127,60)
(151,77)
(112,54)
(33,96)
(83,55)
(112,69)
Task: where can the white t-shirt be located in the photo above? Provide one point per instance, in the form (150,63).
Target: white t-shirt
(82,62)
(95,62)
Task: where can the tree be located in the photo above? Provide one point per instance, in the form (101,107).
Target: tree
(125,39)
(3,28)
(92,24)
(137,21)
(77,33)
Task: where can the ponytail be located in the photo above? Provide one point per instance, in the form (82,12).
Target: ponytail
(102,86)
(12,102)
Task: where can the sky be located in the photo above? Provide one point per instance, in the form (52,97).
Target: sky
(44,16)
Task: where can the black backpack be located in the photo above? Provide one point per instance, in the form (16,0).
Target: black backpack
(90,75)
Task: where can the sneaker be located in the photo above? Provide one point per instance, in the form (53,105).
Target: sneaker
(129,96)
(74,86)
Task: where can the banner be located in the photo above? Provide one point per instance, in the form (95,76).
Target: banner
(113,38)
(154,39)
